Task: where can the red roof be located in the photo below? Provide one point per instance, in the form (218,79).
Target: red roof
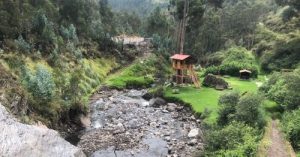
(180,57)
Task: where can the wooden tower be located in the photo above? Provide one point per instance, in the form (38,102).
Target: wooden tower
(184,70)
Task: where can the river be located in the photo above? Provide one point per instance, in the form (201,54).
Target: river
(124,124)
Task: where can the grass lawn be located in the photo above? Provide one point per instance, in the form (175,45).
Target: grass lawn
(207,98)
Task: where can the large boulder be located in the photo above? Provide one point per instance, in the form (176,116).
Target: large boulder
(215,82)
(157,102)
(19,139)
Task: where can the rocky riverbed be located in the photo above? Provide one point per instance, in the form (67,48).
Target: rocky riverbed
(124,124)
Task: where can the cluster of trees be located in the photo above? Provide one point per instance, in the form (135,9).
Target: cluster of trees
(143,8)
(238,128)
(284,89)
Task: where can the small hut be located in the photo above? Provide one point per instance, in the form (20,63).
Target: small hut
(245,74)
(183,66)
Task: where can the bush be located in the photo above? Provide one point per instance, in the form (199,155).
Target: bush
(249,111)
(285,56)
(288,14)
(235,139)
(41,85)
(228,103)
(284,89)
(291,127)
(236,58)
(69,33)
(232,68)
(22,45)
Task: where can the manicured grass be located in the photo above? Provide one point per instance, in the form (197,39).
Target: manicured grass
(200,99)
(207,98)
(242,85)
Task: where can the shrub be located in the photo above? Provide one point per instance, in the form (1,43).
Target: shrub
(22,45)
(285,56)
(288,14)
(235,139)
(284,89)
(232,68)
(69,33)
(42,85)
(228,103)
(249,110)
(291,127)
(236,58)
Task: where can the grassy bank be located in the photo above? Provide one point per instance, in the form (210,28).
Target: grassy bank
(53,90)
(207,98)
(140,74)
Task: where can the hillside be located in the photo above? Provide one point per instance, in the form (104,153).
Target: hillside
(142,8)
(69,66)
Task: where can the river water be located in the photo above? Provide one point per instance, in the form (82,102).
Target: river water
(124,124)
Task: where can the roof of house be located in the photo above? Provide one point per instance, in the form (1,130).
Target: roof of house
(180,57)
(245,71)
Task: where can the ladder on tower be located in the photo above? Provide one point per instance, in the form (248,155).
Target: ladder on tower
(194,78)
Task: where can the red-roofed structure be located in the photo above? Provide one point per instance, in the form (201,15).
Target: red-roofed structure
(180,57)
(184,69)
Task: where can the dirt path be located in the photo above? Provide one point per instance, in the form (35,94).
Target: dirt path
(278,146)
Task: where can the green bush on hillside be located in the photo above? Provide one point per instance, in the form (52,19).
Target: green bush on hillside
(235,59)
(41,85)
(291,127)
(285,56)
(22,45)
(228,103)
(284,89)
(249,111)
(246,109)
(235,139)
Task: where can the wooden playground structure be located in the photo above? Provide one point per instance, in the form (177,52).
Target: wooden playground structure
(184,70)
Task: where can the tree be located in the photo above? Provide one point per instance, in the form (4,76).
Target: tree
(249,110)
(41,85)
(158,23)
(22,45)
(228,103)
(292,3)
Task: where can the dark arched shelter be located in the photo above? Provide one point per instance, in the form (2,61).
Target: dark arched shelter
(245,74)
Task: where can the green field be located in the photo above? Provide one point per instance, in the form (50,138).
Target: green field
(207,98)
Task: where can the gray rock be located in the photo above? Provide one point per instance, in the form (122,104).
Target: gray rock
(156,102)
(19,139)
(168,138)
(193,133)
(193,142)
(171,107)
(165,111)
(119,128)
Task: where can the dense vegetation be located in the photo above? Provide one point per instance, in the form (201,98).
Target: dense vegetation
(59,52)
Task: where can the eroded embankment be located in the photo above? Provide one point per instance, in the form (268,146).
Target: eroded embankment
(125,124)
